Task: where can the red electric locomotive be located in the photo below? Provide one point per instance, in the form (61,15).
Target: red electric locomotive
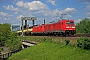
(62,27)
(39,30)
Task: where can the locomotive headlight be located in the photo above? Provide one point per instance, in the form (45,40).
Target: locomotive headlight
(67,27)
(73,27)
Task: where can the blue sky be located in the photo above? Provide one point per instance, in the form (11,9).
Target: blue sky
(12,10)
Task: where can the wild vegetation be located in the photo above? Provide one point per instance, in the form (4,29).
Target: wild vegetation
(5,32)
(8,38)
(83,42)
(51,49)
(83,26)
(54,49)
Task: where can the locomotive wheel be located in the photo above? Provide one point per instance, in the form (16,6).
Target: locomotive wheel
(64,34)
(69,34)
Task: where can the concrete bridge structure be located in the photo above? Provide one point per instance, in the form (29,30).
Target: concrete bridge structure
(27,43)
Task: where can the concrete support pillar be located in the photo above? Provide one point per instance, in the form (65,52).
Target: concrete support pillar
(22,47)
(22,27)
(25,22)
(33,22)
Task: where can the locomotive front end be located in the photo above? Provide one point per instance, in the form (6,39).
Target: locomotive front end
(70,27)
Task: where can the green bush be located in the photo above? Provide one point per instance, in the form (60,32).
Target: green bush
(5,32)
(13,42)
(83,26)
(83,42)
(9,38)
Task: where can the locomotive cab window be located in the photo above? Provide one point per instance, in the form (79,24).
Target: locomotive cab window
(69,22)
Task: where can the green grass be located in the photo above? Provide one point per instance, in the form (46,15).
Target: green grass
(51,51)
(42,39)
(33,38)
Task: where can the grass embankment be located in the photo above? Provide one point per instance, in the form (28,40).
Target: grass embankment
(48,50)
(43,38)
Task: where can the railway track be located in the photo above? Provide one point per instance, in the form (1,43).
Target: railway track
(81,35)
(76,35)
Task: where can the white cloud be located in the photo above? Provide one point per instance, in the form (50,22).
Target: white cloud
(88,6)
(69,10)
(51,15)
(36,9)
(57,12)
(65,11)
(52,2)
(3,14)
(6,18)
(68,16)
(19,17)
(35,5)
(20,3)
(77,21)
(15,12)
(88,14)
(11,8)
(28,15)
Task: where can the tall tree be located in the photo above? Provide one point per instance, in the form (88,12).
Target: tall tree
(5,32)
(9,38)
(83,26)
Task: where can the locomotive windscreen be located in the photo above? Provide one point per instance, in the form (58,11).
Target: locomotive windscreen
(69,22)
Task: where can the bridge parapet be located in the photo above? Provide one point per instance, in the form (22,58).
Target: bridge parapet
(27,43)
